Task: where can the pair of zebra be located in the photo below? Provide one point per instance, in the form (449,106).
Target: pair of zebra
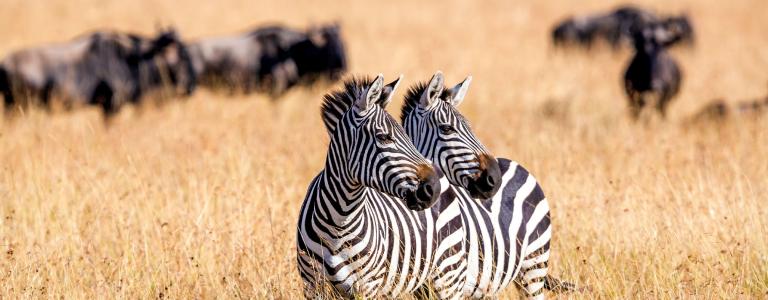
(382,220)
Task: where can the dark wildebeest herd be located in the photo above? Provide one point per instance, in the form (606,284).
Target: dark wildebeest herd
(269,59)
(653,76)
(616,28)
(104,68)
(109,69)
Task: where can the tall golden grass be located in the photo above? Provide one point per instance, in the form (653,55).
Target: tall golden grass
(199,198)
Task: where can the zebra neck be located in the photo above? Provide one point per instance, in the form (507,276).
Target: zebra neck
(340,201)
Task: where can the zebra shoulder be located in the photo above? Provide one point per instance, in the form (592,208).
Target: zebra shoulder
(518,176)
(517,173)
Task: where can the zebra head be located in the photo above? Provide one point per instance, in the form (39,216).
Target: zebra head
(443,135)
(369,148)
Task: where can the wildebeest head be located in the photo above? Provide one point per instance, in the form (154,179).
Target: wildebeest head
(652,38)
(171,61)
(680,26)
(566,32)
(321,53)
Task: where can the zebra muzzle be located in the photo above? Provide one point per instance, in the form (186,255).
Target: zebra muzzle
(426,193)
(488,180)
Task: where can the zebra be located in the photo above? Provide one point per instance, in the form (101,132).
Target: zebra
(503,208)
(371,224)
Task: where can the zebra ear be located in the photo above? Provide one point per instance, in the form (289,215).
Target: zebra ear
(433,91)
(388,92)
(459,91)
(372,94)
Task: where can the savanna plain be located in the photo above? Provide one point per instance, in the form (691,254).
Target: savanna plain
(198,198)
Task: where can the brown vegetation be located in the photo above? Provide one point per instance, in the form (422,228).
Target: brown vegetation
(199,198)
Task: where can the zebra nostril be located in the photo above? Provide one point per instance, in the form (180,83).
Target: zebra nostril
(428,190)
(490,180)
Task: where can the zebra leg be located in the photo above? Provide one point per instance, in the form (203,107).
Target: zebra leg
(559,286)
(449,275)
(309,270)
(533,274)
(534,267)
(449,284)
(450,268)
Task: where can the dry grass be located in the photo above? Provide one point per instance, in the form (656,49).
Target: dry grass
(199,199)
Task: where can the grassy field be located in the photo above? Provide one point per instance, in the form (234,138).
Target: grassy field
(199,198)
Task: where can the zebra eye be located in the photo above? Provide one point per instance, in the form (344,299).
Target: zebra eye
(384,138)
(446,129)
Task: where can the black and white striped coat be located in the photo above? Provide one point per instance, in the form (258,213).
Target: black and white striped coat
(364,229)
(504,212)
(508,235)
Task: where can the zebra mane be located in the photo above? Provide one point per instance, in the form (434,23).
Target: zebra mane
(338,102)
(413,96)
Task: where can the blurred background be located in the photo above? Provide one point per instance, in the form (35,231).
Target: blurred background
(198,197)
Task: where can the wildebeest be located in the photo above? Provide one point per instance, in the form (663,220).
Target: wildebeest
(104,68)
(616,27)
(270,59)
(652,70)
(243,62)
